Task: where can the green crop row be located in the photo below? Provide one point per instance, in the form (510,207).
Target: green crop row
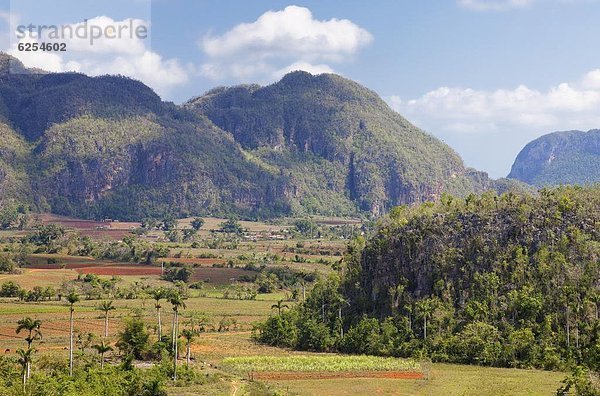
(331,363)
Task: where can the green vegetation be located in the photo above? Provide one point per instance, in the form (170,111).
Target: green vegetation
(329,131)
(315,363)
(558,158)
(108,147)
(500,281)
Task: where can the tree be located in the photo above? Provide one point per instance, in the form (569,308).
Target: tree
(133,339)
(424,309)
(106,307)
(231,226)
(72,299)
(189,335)
(197,223)
(158,294)
(24,358)
(32,326)
(177,302)
(102,348)
(279,306)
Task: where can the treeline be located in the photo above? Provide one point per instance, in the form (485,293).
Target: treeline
(509,280)
(54,239)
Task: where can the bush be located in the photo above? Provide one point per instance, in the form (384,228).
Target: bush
(314,335)
(133,340)
(278,331)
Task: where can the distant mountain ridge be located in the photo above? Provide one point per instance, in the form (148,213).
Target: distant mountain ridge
(108,146)
(569,157)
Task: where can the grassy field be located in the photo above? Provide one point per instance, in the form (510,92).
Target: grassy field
(226,347)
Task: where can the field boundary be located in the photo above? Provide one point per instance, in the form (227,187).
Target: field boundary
(308,375)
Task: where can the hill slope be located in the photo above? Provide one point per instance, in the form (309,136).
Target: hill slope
(327,131)
(110,147)
(571,157)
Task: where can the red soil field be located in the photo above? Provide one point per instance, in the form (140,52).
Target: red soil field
(193,260)
(63,266)
(218,275)
(276,375)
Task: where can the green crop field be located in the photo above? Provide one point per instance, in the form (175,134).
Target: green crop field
(329,363)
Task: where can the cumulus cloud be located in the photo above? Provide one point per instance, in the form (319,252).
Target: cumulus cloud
(501,121)
(277,41)
(128,54)
(305,66)
(494,5)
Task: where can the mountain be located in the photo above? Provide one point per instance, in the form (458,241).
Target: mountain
(340,144)
(108,146)
(571,157)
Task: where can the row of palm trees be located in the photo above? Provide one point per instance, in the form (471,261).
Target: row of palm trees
(33,329)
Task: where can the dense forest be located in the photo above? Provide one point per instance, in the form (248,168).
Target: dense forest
(508,280)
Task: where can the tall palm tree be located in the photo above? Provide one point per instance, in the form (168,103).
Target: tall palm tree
(177,302)
(158,294)
(72,298)
(102,348)
(25,357)
(189,335)
(280,306)
(106,307)
(425,308)
(33,327)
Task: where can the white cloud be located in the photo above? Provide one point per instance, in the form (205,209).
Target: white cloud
(313,69)
(281,40)
(503,120)
(494,5)
(127,55)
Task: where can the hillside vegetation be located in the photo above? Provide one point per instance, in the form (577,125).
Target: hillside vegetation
(501,281)
(327,131)
(108,147)
(571,157)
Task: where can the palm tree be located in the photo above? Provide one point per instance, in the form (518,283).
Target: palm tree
(158,294)
(189,335)
(72,298)
(176,301)
(280,305)
(102,348)
(106,307)
(33,327)
(425,308)
(25,357)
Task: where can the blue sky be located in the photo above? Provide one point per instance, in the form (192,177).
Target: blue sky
(484,76)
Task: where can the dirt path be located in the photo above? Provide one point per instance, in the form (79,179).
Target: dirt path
(234,388)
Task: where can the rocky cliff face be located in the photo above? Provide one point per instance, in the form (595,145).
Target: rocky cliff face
(109,147)
(571,157)
(366,155)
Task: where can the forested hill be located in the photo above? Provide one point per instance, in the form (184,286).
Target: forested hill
(571,157)
(329,131)
(108,146)
(506,281)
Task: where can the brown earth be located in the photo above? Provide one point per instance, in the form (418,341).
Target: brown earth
(286,376)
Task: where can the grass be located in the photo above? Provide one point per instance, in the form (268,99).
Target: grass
(445,379)
(319,363)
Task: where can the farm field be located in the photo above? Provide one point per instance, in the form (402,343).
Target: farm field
(225,346)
